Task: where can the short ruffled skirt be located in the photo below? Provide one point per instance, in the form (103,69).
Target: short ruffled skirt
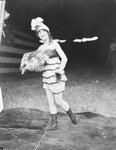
(51,81)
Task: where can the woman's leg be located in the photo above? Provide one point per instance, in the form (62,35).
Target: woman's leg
(59,100)
(51,102)
(53,111)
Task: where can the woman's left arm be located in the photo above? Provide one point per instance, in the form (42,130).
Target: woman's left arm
(63,57)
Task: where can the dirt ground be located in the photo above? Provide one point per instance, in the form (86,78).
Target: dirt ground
(22,129)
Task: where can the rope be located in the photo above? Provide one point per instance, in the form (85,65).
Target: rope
(39,142)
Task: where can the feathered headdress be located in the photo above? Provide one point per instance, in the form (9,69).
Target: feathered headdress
(37,24)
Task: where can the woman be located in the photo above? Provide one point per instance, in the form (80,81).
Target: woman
(53,75)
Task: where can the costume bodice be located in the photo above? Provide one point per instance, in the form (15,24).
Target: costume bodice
(51,53)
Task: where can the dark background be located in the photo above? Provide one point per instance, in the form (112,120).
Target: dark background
(70,19)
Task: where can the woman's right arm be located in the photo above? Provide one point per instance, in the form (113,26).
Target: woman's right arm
(37,51)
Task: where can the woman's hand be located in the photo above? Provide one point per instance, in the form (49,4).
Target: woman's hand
(58,73)
(62,56)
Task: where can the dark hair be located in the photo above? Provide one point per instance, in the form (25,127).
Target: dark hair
(49,34)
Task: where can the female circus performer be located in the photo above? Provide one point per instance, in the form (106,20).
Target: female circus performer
(53,66)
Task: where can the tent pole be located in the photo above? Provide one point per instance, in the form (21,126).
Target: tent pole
(2,8)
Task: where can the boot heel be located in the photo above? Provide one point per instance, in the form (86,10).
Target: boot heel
(72,116)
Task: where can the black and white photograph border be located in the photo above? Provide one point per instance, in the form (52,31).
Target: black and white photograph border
(57,75)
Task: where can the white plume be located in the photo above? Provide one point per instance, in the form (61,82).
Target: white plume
(35,22)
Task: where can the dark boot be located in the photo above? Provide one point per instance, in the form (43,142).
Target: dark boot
(72,116)
(53,123)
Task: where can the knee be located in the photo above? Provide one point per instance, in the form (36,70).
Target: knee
(58,101)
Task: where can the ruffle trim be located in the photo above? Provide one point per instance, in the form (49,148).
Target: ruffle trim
(51,67)
(49,80)
(48,73)
(55,88)
(54,80)
(53,60)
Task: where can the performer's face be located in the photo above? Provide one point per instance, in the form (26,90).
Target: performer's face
(43,34)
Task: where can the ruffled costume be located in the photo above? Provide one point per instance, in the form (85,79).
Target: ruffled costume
(51,80)
(47,61)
